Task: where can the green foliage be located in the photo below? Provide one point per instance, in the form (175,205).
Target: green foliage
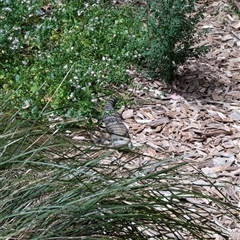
(66,56)
(172,26)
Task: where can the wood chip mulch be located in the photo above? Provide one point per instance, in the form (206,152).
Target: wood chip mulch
(199,117)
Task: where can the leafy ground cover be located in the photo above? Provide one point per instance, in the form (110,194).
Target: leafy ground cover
(65,54)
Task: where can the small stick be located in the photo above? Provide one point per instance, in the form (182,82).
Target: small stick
(50,99)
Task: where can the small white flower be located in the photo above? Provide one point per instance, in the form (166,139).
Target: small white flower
(79,13)
(16,28)
(26,104)
(13,47)
(15,41)
(7,9)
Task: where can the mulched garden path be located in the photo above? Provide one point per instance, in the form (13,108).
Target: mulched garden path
(198,118)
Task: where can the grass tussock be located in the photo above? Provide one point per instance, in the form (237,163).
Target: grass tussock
(52,188)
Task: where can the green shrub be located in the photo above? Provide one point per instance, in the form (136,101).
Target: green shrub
(67,57)
(172,27)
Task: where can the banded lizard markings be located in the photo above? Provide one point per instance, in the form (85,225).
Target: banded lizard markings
(115,125)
